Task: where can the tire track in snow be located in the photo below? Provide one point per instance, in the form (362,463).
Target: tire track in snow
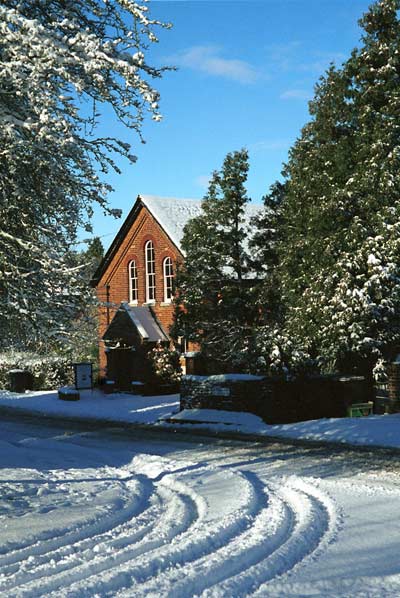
(217,555)
(19,564)
(205,536)
(242,551)
(296,516)
(179,515)
(74,554)
(135,499)
(315,525)
(385,586)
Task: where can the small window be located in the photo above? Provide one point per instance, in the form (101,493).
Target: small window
(168,279)
(182,344)
(150,272)
(133,282)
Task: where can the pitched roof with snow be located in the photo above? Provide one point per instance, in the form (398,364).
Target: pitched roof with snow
(143,320)
(146,324)
(172,214)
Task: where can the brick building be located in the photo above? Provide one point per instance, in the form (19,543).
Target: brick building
(139,266)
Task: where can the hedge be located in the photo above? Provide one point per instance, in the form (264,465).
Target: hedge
(49,372)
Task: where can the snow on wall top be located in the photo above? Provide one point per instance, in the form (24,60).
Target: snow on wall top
(173,213)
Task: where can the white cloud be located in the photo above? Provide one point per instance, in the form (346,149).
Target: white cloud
(282,57)
(208,59)
(322,62)
(295,94)
(203,181)
(296,56)
(270,145)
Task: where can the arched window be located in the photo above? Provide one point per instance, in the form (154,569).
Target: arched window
(168,272)
(150,272)
(133,282)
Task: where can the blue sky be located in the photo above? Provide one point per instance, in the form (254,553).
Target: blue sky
(246,70)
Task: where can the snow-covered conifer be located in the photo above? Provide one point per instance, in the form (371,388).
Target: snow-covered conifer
(268,226)
(340,258)
(216,282)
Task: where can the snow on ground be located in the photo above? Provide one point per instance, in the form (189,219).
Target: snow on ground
(95,405)
(377,430)
(111,515)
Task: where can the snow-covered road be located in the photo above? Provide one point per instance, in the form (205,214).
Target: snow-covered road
(102,514)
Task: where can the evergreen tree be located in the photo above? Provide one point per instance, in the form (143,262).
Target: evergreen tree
(94,255)
(61,64)
(268,227)
(340,255)
(215,284)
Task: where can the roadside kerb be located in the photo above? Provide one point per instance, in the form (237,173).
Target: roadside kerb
(165,428)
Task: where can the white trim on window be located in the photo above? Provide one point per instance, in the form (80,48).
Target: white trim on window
(133,282)
(150,272)
(168,275)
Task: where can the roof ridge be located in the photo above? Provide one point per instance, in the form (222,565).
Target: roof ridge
(171,213)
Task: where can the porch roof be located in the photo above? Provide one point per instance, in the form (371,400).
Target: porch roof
(143,320)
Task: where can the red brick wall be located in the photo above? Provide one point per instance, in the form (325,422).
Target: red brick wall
(145,227)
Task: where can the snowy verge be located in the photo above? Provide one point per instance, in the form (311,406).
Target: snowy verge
(96,405)
(163,412)
(375,430)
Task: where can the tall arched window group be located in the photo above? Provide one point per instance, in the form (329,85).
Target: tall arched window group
(150,276)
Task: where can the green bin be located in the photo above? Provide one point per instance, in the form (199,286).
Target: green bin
(360,409)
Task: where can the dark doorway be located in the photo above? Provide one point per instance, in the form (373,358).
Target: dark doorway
(124,366)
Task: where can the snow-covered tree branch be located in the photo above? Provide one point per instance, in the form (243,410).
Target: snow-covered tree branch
(61,63)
